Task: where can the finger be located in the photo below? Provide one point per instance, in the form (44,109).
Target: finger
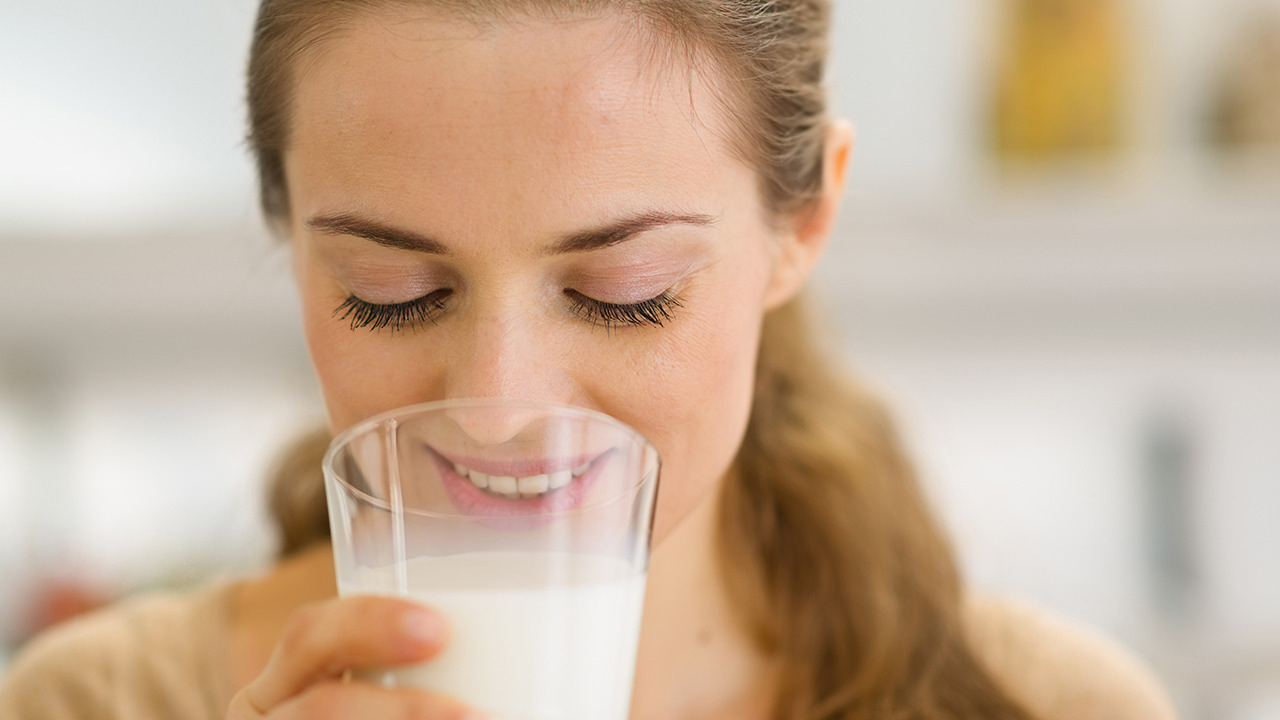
(242,708)
(325,639)
(339,700)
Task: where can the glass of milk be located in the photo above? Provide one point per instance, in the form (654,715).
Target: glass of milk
(526,524)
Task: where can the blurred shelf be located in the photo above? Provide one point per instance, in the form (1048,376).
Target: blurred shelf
(1198,265)
(174,284)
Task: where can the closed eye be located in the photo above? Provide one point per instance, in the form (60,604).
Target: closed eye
(655,312)
(394,316)
(411,314)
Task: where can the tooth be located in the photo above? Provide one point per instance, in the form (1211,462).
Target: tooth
(581,469)
(503,485)
(460,469)
(480,480)
(535,485)
(557,480)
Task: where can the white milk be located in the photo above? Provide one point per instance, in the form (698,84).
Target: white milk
(535,636)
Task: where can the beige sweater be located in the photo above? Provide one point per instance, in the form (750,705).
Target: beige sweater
(163,657)
(158,657)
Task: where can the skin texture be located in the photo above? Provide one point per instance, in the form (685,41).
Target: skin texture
(535,136)
(497,143)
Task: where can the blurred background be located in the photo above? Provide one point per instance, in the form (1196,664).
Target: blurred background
(1060,262)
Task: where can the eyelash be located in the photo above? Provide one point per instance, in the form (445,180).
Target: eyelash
(397,316)
(654,312)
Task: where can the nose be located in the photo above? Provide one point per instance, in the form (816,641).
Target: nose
(505,355)
(487,425)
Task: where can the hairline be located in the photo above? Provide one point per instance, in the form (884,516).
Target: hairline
(677,51)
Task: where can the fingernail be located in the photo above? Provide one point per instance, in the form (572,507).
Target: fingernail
(422,627)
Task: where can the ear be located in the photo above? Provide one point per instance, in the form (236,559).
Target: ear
(806,237)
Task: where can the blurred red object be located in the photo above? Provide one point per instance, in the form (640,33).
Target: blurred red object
(56,600)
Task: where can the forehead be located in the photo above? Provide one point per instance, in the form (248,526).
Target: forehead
(413,109)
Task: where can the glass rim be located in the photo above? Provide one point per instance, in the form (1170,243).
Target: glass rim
(344,438)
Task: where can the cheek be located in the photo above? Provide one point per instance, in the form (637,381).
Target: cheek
(361,373)
(691,395)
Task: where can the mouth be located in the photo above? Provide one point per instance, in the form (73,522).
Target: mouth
(525,487)
(488,488)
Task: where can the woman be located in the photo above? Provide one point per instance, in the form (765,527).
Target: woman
(613,205)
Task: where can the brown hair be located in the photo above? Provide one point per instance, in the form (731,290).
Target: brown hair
(838,569)
(295,496)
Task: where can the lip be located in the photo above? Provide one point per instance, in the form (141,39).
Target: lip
(471,500)
(518,468)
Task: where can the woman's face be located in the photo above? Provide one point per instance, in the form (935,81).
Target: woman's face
(533,210)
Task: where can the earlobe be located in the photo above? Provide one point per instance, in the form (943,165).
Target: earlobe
(803,244)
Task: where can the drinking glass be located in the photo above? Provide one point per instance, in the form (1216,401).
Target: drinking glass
(526,524)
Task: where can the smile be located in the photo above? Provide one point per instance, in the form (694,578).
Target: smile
(530,487)
(523,488)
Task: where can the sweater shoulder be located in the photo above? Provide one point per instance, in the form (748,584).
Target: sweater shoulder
(148,657)
(1060,669)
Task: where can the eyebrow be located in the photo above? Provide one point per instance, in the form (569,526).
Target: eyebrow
(624,230)
(578,242)
(356,226)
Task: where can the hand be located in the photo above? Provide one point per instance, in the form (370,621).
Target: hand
(303,678)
